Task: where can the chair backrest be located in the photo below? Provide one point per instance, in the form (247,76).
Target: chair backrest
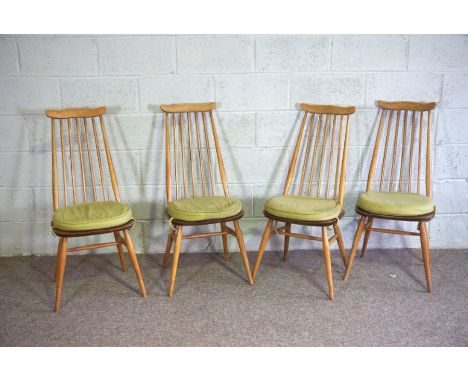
(406,155)
(319,157)
(76,136)
(190,140)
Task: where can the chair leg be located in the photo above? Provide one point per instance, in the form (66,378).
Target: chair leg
(169,242)
(426,254)
(60,270)
(339,239)
(134,261)
(120,250)
(57,263)
(225,242)
(357,237)
(366,236)
(328,266)
(286,242)
(175,260)
(265,237)
(240,241)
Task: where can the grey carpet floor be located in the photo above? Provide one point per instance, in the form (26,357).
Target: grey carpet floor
(384,302)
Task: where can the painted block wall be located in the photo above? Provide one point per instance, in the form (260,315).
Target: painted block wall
(257,80)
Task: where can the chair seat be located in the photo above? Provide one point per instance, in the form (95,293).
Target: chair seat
(395,203)
(89,216)
(303,208)
(203,208)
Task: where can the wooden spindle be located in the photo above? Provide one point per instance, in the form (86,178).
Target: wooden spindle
(55,194)
(312,167)
(72,161)
(64,171)
(421,115)
(306,154)
(395,143)
(324,141)
(168,158)
(110,163)
(292,166)
(98,152)
(403,145)
(343,163)
(200,155)
(83,180)
(387,139)
(189,131)
(338,156)
(91,170)
(428,156)
(375,152)
(184,178)
(176,173)
(222,171)
(208,153)
(332,140)
(410,165)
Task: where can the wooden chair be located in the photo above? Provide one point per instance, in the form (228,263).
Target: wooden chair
(406,127)
(319,159)
(192,184)
(82,205)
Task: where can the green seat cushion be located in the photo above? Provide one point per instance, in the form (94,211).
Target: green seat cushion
(395,203)
(203,208)
(303,208)
(88,216)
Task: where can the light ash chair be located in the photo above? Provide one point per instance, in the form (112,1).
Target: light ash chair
(401,164)
(192,182)
(315,199)
(80,178)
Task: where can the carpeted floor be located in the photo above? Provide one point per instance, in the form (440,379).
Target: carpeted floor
(384,302)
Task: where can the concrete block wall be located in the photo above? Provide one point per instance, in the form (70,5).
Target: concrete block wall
(257,80)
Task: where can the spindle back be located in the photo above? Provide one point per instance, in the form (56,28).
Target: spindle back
(318,165)
(405,157)
(192,151)
(81,158)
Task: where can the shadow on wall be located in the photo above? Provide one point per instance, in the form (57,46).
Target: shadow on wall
(24,172)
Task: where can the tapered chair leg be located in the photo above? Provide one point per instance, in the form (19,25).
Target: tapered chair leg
(175,260)
(328,266)
(339,239)
(286,242)
(245,259)
(265,237)
(167,252)
(120,250)
(60,270)
(426,254)
(357,237)
(134,261)
(57,262)
(225,242)
(366,236)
